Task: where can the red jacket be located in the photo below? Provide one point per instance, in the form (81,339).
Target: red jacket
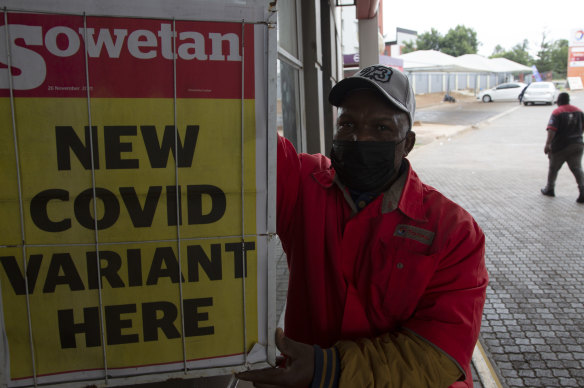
(410,259)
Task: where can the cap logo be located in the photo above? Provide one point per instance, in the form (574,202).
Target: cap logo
(377,73)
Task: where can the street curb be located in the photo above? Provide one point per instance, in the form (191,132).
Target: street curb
(489,120)
(484,368)
(472,126)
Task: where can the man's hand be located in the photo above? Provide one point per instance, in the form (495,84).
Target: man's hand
(297,372)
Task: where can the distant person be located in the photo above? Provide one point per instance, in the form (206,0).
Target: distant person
(564,144)
(522,93)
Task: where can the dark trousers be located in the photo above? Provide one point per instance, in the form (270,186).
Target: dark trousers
(572,155)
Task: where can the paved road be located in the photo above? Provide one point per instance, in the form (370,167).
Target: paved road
(463,113)
(533,326)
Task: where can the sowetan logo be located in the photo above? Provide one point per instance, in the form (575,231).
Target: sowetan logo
(377,73)
(111,43)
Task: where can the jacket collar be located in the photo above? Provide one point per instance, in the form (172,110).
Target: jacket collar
(411,195)
(406,193)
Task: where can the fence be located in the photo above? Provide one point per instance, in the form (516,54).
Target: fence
(437,82)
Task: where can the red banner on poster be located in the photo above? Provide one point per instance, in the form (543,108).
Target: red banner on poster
(48,55)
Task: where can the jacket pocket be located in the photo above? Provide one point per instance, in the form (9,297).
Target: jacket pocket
(408,279)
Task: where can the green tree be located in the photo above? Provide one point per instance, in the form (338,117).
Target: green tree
(429,40)
(560,58)
(519,53)
(544,56)
(409,47)
(552,56)
(459,41)
(498,51)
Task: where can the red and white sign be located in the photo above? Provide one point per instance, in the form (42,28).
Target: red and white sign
(48,57)
(576,55)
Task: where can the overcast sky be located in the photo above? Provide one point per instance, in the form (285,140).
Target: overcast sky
(504,22)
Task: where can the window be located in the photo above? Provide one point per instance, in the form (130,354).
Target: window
(288,104)
(288,27)
(289,69)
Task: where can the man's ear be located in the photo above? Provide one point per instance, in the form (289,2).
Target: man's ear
(410,142)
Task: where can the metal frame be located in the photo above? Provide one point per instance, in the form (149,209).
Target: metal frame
(21,207)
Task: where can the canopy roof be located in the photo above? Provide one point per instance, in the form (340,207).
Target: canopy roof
(431,60)
(478,62)
(510,66)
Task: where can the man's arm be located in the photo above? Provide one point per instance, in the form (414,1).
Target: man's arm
(288,185)
(548,144)
(400,359)
(552,127)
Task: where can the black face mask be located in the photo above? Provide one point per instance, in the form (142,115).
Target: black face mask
(365,166)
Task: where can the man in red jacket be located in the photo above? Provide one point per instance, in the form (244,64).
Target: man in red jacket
(564,144)
(387,276)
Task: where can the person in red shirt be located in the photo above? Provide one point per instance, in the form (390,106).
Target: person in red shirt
(564,144)
(387,276)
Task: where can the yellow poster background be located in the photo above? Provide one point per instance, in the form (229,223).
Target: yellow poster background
(217,162)
(223,313)
(10,233)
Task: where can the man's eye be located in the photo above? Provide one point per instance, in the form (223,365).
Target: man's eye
(382,127)
(346,125)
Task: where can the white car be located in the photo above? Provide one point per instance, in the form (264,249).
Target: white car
(543,92)
(504,92)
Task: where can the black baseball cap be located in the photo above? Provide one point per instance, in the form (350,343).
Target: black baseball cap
(390,82)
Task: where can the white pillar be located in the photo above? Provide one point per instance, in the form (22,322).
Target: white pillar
(429,82)
(413,78)
(368,42)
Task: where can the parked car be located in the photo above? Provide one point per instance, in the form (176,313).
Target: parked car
(540,92)
(504,92)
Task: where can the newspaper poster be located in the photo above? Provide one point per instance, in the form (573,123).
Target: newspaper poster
(133,211)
